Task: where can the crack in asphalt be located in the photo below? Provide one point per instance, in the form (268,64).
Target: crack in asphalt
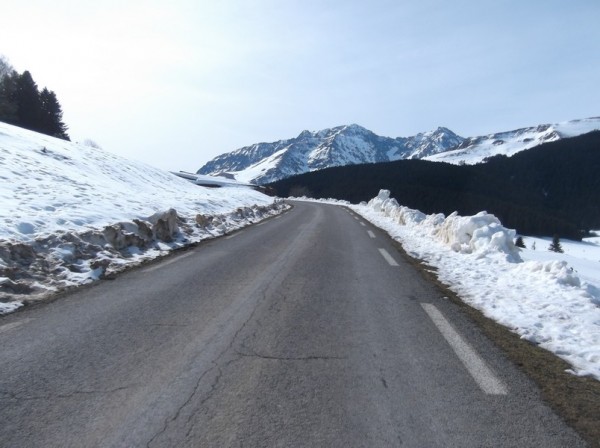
(260,290)
(209,395)
(168,325)
(215,383)
(292,358)
(18,397)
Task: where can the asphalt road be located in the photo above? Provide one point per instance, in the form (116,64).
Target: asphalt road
(309,330)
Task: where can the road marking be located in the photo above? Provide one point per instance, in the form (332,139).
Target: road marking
(371,234)
(388,257)
(363,224)
(278,216)
(481,373)
(261,223)
(356,217)
(228,237)
(166,263)
(13,325)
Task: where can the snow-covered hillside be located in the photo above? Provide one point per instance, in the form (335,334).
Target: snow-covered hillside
(344,145)
(69,213)
(477,149)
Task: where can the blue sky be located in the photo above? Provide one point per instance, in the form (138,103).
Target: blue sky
(177,83)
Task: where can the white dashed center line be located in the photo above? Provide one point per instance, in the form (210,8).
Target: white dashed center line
(481,373)
(388,257)
(371,234)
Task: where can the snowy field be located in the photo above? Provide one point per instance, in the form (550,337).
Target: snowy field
(551,299)
(71,213)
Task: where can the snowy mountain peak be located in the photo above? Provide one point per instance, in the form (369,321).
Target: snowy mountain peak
(355,128)
(476,149)
(352,144)
(342,145)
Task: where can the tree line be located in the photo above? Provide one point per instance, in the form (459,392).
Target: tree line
(23,104)
(548,190)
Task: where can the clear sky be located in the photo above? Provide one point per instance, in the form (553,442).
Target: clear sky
(175,83)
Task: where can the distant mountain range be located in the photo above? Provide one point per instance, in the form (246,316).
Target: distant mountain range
(546,190)
(262,163)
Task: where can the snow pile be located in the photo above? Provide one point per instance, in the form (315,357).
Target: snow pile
(71,214)
(389,207)
(532,291)
(481,234)
(556,271)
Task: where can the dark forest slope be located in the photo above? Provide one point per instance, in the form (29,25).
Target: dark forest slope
(551,189)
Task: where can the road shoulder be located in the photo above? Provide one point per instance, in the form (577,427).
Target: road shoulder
(576,399)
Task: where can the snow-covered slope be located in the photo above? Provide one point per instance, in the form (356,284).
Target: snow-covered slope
(69,212)
(344,145)
(477,149)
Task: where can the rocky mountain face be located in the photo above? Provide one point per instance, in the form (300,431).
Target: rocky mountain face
(263,163)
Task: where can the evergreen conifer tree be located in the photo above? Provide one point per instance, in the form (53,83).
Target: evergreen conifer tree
(8,105)
(27,98)
(22,104)
(8,75)
(51,115)
(519,242)
(555,245)
(5,67)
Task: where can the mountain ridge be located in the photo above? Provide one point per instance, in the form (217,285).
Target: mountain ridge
(550,189)
(351,144)
(474,150)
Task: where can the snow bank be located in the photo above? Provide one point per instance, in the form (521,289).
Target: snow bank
(481,234)
(539,297)
(70,214)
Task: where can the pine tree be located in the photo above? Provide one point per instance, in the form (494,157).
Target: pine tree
(23,105)
(8,105)
(5,67)
(519,242)
(27,98)
(555,245)
(51,116)
(8,75)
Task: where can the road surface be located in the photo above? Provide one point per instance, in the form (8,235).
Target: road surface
(308,330)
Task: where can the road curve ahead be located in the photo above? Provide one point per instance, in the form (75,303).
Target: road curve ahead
(308,330)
